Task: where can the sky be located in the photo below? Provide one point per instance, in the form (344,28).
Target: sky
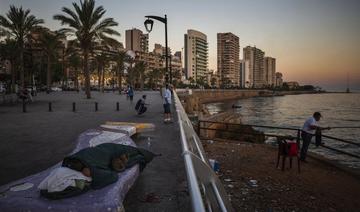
(314,41)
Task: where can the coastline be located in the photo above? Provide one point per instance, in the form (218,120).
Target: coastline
(194,102)
(237,170)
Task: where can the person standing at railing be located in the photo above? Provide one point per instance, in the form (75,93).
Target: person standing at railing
(308,130)
(167,104)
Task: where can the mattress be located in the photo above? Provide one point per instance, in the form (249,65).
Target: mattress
(23,194)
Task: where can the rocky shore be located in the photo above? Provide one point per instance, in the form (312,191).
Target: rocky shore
(253,183)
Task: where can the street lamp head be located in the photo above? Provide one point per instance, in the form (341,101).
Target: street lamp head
(148,24)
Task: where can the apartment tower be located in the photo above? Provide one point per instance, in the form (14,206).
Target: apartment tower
(256,75)
(136,41)
(196,54)
(228,53)
(270,69)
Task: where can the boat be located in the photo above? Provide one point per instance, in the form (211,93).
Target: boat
(236,106)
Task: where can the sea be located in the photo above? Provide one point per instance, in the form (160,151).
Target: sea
(337,109)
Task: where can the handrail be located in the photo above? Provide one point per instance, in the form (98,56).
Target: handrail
(272,135)
(249,125)
(202,180)
(272,127)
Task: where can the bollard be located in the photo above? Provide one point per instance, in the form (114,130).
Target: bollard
(96,106)
(74,107)
(50,107)
(117,106)
(24,105)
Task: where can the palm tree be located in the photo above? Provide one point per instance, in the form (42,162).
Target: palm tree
(121,58)
(101,59)
(75,63)
(154,77)
(87,25)
(141,69)
(18,24)
(50,43)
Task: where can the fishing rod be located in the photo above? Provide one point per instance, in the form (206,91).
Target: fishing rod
(355,127)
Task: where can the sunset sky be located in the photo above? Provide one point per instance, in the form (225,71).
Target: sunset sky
(314,41)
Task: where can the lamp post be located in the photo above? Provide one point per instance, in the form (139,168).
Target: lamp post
(148,26)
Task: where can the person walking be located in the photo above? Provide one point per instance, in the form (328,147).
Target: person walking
(167,104)
(308,130)
(130,93)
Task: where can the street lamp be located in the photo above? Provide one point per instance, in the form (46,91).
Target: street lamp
(148,26)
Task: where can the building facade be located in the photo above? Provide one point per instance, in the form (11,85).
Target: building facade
(196,54)
(270,69)
(136,41)
(257,76)
(278,79)
(160,50)
(228,53)
(293,85)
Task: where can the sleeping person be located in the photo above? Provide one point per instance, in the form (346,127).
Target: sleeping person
(95,167)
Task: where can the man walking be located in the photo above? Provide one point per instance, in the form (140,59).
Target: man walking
(167,104)
(308,130)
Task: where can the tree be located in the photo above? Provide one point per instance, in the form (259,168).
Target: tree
(140,69)
(200,81)
(191,80)
(155,77)
(87,25)
(176,75)
(50,43)
(101,58)
(75,63)
(19,24)
(120,58)
(213,82)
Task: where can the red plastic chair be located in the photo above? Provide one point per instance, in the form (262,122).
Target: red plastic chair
(288,149)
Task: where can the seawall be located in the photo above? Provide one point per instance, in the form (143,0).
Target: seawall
(193,102)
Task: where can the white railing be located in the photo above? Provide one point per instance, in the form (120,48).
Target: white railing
(206,191)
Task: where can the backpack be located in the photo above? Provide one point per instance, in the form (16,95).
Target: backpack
(138,104)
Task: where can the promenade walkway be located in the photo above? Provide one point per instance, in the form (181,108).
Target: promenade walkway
(33,141)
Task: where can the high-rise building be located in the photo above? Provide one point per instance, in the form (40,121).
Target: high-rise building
(176,68)
(245,74)
(228,52)
(196,54)
(278,79)
(270,69)
(136,41)
(257,76)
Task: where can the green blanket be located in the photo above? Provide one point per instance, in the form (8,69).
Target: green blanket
(98,160)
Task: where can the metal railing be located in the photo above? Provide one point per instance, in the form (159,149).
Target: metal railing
(226,124)
(206,191)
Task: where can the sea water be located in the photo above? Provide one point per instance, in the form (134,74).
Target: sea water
(337,109)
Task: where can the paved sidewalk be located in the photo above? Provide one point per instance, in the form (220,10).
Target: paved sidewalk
(33,141)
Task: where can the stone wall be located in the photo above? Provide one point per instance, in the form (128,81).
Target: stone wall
(193,103)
